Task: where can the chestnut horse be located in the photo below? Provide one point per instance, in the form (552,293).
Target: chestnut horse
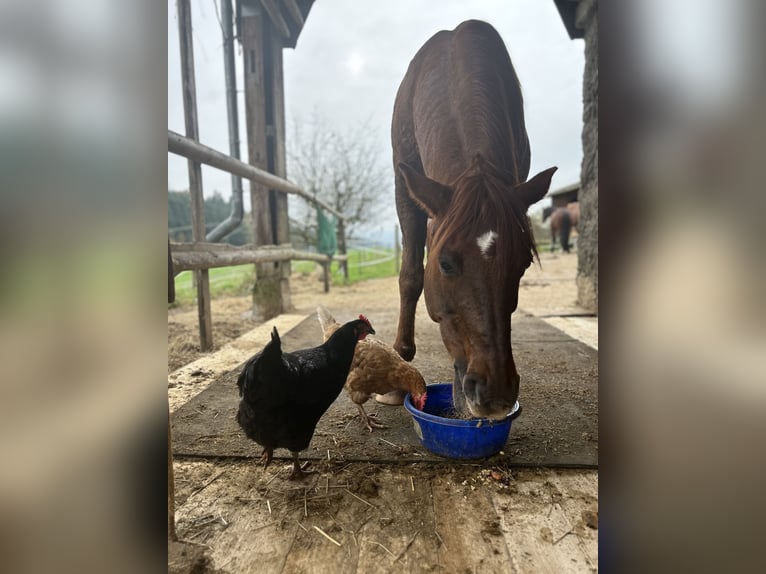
(563,220)
(461,157)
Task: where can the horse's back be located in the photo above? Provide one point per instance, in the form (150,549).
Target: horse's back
(461,97)
(574,212)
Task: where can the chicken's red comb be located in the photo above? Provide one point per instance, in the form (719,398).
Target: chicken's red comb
(365,319)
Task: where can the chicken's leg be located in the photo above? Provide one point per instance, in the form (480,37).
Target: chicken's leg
(369,420)
(299,472)
(266,457)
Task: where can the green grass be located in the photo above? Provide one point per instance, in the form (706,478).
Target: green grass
(236,280)
(356,271)
(239,280)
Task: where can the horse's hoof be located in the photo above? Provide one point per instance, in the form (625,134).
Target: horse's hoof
(406,352)
(394,398)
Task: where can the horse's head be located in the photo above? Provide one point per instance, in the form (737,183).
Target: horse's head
(479,245)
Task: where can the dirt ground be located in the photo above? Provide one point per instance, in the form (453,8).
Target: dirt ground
(362,517)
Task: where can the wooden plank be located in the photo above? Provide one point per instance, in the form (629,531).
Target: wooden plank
(400,537)
(417,519)
(458,504)
(195,170)
(295,12)
(276,18)
(542,523)
(383,529)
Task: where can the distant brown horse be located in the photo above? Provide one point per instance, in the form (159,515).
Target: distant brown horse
(461,157)
(563,220)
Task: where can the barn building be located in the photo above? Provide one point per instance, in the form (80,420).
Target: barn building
(564,195)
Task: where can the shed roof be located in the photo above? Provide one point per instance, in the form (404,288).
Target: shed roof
(571,12)
(287,16)
(567,189)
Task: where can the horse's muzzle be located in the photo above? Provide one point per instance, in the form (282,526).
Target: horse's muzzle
(485,400)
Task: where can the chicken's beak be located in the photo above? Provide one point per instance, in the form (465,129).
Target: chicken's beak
(363,333)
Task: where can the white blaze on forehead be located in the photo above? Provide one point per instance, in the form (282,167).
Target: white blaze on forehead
(485,241)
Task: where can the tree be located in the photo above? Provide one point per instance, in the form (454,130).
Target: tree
(344,168)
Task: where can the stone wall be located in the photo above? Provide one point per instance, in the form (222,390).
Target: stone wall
(587,241)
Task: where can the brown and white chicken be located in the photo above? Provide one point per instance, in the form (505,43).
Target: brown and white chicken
(375,368)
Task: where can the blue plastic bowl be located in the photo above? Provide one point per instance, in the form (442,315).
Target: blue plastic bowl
(457,438)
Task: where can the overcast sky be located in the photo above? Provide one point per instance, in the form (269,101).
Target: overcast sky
(351,57)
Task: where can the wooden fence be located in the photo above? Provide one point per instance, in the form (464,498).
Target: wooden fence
(199,255)
(262,38)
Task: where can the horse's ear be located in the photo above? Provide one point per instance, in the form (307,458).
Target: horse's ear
(533,190)
(431,196)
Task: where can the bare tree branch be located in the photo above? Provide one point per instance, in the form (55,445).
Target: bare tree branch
(344,168)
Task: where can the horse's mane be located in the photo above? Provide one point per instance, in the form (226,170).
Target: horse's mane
(484,200)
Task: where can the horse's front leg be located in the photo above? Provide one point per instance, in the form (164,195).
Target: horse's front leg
(410,287)
(410,281)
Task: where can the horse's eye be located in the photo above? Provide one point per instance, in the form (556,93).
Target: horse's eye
(446,266)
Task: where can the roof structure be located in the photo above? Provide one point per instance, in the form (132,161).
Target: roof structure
(572,14)
(564,190)
(287,16)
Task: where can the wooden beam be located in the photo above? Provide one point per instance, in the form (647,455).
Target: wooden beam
(201,257)
(252,38)
(255,36)
(276,17)
(295,12)
(195,170)
(185,247)
(278,149)
(181,145)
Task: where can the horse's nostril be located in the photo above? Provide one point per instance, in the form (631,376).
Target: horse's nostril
(471,384)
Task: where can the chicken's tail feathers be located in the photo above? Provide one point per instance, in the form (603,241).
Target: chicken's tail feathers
(276,343)
(325,317)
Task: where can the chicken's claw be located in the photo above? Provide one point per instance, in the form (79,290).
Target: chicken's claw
(370,420)
(266,457)
(299,472)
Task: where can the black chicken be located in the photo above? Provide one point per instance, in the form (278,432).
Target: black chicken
(283,395)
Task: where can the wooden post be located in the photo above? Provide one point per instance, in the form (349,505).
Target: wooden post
(256,48)
(326,272)
(342,246)
(195,170)
(171,489)
(171,277)
(279,150)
